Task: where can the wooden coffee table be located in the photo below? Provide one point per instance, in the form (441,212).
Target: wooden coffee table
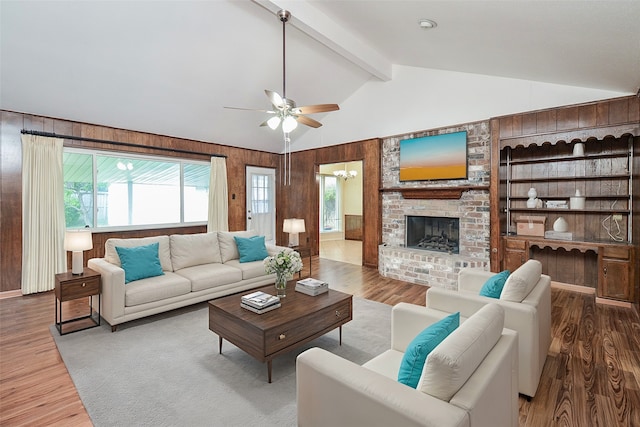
(301,319)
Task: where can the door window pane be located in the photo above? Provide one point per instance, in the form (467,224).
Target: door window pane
(329,203)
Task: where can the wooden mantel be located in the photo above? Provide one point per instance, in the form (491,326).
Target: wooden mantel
(435,192)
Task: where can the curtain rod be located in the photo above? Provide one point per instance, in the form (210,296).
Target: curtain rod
(104,141)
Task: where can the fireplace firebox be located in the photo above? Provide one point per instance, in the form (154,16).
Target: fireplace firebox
(433,233)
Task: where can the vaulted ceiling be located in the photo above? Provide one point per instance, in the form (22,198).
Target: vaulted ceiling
(169,67)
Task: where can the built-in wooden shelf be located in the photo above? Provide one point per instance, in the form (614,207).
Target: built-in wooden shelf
(435,192)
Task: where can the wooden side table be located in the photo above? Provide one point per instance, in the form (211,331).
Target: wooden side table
(70,287)
(304,252)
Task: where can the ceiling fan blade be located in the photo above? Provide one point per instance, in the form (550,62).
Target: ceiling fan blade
(251,109)
(308,121)
(275,99)
(319,108)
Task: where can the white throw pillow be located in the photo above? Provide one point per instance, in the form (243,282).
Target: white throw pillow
(164,252)
(522,281)
(454,360)
(228,247)
(188,250)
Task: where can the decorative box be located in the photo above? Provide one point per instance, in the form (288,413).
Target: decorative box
(530,225)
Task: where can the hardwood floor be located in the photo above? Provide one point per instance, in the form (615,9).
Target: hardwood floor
(342,250)
(591,376)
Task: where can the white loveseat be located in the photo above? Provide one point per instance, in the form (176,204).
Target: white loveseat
(527,309)
(473,371)
(196,267)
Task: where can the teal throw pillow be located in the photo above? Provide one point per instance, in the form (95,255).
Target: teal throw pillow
(140,262)
(251,248)
(492,288)
(420,347)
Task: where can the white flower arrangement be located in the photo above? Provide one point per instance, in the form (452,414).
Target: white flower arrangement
(285,264)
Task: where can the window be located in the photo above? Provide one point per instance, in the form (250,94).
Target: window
(329,204)
(113,190)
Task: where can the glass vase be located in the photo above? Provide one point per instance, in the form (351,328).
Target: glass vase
(281,286)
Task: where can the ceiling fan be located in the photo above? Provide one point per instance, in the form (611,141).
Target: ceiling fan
(285,111)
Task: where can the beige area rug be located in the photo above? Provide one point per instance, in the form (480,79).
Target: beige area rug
(166,371)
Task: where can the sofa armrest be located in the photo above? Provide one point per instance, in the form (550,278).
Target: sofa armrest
(472,279)
(275,249)
(408,320)
(112,289)
(333,391)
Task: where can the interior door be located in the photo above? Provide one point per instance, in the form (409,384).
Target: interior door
(261,196)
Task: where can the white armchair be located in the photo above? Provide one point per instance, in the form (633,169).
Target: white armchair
(478,361)
(530,317)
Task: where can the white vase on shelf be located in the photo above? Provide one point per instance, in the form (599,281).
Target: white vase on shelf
(560,225)
(532,201)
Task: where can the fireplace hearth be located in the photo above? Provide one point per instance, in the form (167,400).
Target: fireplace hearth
(433,233)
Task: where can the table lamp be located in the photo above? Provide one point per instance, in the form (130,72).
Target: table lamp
(77,241)
(293,226)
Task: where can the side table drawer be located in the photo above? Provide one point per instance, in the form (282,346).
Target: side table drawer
(278,338)
(79,288)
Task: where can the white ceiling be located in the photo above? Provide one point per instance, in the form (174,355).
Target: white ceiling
(169,67)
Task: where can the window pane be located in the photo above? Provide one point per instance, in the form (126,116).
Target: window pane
(330,208)
(196,192)
(78,190)
(138,191)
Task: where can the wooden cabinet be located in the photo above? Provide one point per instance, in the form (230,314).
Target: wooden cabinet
(616,273)
(536,150)
(515,253)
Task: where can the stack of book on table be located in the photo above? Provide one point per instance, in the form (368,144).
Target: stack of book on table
(260,302)
(311,286)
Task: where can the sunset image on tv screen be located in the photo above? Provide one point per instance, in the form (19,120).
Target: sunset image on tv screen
(434,157)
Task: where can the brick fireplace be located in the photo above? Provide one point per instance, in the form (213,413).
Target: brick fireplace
(399,257)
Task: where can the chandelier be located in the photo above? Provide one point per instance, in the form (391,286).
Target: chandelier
(344,174)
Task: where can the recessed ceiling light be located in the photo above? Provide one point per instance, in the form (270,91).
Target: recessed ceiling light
(427,24)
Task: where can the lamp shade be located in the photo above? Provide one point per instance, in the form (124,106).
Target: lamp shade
(293,225)
(78,240)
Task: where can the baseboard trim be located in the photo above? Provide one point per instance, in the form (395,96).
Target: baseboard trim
(11,294)
(574,288)
(614,302)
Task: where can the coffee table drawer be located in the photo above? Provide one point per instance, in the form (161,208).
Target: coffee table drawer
(319,322)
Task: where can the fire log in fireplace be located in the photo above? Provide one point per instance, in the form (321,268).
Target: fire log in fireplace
(433,233)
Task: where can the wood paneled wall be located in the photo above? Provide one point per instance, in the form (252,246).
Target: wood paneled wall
(301,199)
(12,123)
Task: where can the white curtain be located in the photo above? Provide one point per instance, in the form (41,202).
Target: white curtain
(218,196)
(43,223)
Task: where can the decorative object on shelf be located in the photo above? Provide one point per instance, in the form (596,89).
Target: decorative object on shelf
(577,201)
(77,241)
(293,226)
(530,225)
(578,149)
(344,174)
(532,202)
(284,264)
(560,225)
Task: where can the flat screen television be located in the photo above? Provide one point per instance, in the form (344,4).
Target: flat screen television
(434,157)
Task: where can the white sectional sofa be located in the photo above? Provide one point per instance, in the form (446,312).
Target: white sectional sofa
(195,267)
(469,379)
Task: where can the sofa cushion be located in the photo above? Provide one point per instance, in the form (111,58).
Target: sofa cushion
(492,288)
(228,248)
(250,270)
(164,252)
(188,250)
(140,262)
(522,281)
(251,248)
(208,276)
(423,344)
(156,289)
(452,362)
